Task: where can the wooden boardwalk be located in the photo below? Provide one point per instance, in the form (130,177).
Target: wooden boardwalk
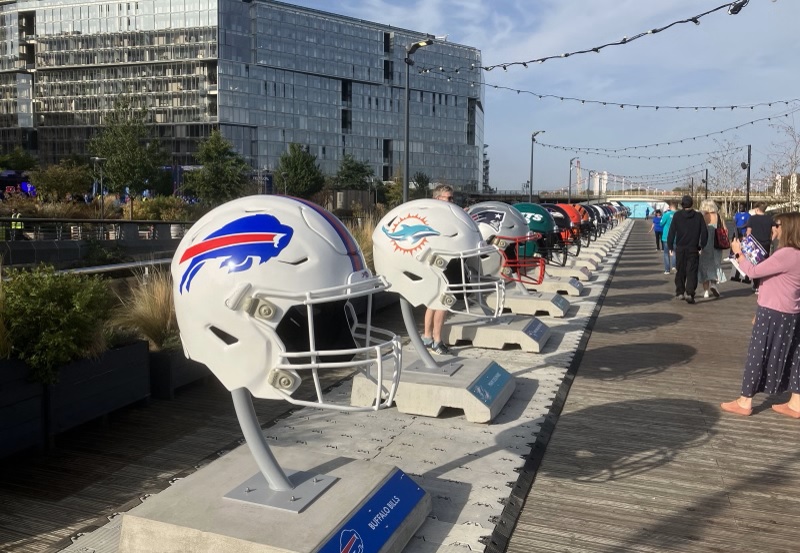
(642,458)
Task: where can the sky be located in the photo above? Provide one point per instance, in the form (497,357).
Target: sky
(726,60)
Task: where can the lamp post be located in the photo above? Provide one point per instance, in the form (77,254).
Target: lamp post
(285,176)
(409,62)
(705,182)
(747,166)
(530,182)
(100,160)
(569,187)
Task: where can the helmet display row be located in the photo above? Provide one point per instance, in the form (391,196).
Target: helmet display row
(264,288)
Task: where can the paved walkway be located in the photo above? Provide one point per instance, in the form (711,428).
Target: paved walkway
(630,452)
(642,458)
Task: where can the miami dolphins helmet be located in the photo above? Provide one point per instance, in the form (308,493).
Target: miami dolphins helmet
(505,228)
(433,254)
(268,288)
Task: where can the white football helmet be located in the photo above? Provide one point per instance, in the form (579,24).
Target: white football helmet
(505,228)
(263,288)
(433,254)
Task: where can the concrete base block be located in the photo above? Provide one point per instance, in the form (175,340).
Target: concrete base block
(529,333)
(591,256)
(556,285)
(533,303)
(371,504)
(578,270)
(478,387)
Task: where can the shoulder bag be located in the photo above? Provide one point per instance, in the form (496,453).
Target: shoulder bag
(721,241)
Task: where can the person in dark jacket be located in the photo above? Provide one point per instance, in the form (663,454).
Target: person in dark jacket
(689,234)
(759,226)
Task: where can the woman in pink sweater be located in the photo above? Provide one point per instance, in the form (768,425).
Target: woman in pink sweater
(773,360)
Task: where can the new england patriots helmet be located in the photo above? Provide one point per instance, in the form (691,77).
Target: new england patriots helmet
(264,290)
(504,227)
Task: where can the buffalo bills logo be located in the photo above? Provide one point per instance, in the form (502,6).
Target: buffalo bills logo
(350,542)
(255,237)
(489,217)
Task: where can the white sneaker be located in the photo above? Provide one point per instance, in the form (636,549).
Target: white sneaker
(673,270)
(666,272)
(714,291)
(705,294)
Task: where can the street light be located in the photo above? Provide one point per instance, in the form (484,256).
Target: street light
(747,166)
(530,188)
(569,188)
(284,175)
(100,160)
(409,62)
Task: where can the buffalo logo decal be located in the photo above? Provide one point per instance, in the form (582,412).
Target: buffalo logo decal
(489,217)
(409,233)
(350,542)
(237,244)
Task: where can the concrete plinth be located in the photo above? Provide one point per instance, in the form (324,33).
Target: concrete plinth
(578,270)
(529,333)
(480,388)
(532,303)
(371,504)
(556,285)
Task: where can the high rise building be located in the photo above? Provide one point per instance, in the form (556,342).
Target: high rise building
(265,73)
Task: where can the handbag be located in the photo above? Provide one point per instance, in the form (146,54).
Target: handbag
(721,241)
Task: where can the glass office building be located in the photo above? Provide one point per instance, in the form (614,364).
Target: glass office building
(265,73)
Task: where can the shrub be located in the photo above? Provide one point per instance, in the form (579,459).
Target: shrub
(53,318)
(147,309)
(361,228)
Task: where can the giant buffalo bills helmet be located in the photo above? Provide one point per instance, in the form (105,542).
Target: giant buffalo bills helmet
(505,228)
(266,289)
(433,254)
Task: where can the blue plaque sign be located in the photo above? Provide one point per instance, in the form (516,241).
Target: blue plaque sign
(489,384)
(577,284)
(561,302)
(536,329)
(383,513)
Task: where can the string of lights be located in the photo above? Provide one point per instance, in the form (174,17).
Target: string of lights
(600,151)
(638,106)
(733,8)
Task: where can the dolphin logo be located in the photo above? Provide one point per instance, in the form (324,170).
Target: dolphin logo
(410,233)
(238,243)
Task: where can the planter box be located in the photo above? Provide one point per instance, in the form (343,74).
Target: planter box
(90,388)
(21,409)
(169,370)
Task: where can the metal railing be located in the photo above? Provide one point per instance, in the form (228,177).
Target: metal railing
(38,229)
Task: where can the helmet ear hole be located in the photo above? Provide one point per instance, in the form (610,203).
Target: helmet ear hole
(224,336)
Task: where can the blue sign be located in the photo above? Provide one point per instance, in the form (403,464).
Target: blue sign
(489,384)
(561,302)
(535,329)
(371,527)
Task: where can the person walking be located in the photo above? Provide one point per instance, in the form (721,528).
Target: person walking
(657,229)
(710,266)
(773,359)
(759,226)
(647,214)
(434,318)
(666,221)
(689,233)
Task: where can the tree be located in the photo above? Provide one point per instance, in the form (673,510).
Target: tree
(298,173)
(57,181)
(18,160)
(224,173)
(421,183)
(353,174)
(132,158)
